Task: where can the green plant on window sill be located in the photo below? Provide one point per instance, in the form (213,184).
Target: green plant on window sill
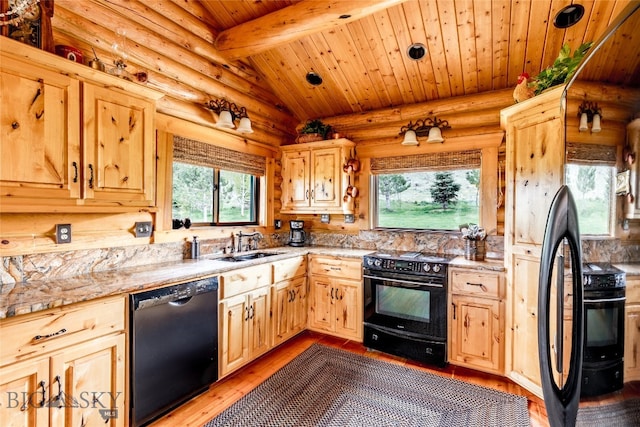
(562,69)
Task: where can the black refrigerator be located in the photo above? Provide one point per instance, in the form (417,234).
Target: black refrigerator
(561,390)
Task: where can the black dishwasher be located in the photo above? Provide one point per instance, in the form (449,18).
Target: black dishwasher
(174,346)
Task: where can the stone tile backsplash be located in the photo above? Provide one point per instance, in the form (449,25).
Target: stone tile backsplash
(25,268)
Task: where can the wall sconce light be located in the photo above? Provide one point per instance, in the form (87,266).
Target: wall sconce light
(589,112)
(228,113)
(429,127)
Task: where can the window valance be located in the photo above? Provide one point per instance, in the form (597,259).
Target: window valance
(202,154)
(433,161)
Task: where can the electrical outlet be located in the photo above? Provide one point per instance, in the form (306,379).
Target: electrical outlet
(63,233)
(349,218)
(324,218)
(143,229)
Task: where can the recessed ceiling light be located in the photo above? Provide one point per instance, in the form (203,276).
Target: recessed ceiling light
(416,51)
(314,78)
(568,16)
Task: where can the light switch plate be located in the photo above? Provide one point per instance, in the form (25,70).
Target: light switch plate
(63,233)
(349,218)
(143,229)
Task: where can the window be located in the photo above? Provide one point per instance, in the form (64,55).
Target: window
(213,185)
(209,196)
(435,191)
(590,174)
(592,189)
(435,200)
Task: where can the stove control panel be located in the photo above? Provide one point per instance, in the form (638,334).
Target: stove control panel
(604,281)
(390,264)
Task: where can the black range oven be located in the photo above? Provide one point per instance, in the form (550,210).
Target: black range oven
(604,299)
(405,305)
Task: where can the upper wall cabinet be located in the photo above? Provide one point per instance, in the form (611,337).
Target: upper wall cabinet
(313,180)
(73,138)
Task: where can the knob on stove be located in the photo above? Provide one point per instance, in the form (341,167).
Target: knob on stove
(377,263)
(426,267)
(437,268)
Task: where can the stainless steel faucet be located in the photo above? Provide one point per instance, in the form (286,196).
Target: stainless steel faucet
(255,237)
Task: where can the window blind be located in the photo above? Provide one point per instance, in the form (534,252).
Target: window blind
(591,154)
(202,154)
(433,161)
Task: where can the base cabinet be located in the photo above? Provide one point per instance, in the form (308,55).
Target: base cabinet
(632,332)
(335,305)
(79,382)
(476,320)
(245,331)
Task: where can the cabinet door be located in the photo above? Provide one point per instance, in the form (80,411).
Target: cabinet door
(296,167)
(234,351)
(281,304)
(24,390)
(259,316)
(476,333)
(40,150)
(88,384)
(119,148)
(632,343)
(348,310)
(321,309)
(325,177)
(298,305)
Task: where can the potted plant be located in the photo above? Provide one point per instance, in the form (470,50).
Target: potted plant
(314,130)
(562,69)
(474,237)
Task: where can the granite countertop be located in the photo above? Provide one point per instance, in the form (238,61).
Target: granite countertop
(487,264)
(23,298)
(632,269)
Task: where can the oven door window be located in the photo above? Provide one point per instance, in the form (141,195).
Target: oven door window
(604,330)
(403,303)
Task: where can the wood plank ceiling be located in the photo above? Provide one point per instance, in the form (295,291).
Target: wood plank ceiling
(257,53)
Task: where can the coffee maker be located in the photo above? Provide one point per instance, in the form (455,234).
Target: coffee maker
(297,234)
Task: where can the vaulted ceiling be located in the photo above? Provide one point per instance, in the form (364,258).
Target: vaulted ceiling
(258,53)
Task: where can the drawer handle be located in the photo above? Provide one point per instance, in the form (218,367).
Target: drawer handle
(41,337)
(90,175)
(480,285)
(335,268)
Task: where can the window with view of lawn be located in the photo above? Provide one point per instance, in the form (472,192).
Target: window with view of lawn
(432,200)
(592,189)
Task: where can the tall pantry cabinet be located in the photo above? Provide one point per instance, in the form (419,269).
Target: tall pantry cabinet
(535,153)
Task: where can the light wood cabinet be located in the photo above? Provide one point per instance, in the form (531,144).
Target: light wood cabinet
(244,316)
(289,299)
(65,366)
(632,331)
(335,301)
(476,319)
(40,153)
(535,153)
(632,205)
(72,144)
(244,329)
(312,176)
(119,147)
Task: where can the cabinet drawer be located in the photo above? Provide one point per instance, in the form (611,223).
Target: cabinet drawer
(633,291)
(476,283)
(243,280)
(289,268)
(346,268)
(38,333)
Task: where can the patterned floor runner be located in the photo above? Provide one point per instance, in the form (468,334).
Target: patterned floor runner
(324,386)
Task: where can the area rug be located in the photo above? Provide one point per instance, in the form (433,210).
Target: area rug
(325,386)
(625,413)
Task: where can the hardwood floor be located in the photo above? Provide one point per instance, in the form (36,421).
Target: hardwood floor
(225,392)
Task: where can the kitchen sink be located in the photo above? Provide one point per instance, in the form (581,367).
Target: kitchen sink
(247,257)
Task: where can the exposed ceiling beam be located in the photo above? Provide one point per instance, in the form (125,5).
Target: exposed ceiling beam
(293,22)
